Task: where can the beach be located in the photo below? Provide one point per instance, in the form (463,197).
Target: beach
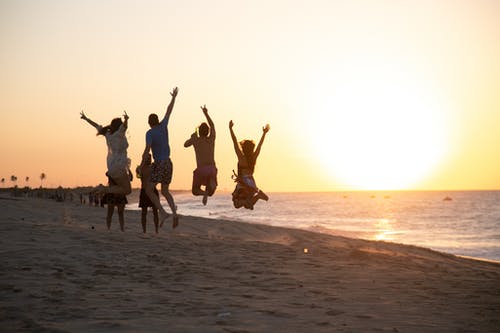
(63,271)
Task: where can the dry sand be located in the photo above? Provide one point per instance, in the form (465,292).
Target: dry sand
(58,274)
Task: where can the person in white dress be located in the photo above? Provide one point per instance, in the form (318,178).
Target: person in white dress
(117,160)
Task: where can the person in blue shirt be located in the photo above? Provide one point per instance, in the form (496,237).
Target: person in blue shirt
(161,169)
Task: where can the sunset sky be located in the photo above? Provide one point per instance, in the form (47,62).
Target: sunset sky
(359,94)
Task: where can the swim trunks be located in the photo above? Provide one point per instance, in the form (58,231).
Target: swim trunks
(203,175)
(161,172)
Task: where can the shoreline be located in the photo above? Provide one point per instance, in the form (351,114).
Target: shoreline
(59,274)
(6,195)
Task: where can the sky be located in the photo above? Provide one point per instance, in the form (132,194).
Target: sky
(360,95)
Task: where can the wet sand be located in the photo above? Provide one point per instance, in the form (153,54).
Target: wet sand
(63,271)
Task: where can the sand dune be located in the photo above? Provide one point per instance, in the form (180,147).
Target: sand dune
(62,271)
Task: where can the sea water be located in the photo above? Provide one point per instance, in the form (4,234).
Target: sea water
(464,223)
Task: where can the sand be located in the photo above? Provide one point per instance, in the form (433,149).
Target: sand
(63,271)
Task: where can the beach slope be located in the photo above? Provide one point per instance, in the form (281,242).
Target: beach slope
(62,271)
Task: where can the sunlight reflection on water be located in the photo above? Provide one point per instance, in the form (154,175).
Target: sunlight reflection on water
(469,224)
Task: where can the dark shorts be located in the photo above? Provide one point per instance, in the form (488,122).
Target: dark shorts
(144,201)
(114,199)
(161,172)
(204,175)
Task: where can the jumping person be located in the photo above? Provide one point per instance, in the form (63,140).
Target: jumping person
(162,168)
(117,160)
(203,142)
(246,192)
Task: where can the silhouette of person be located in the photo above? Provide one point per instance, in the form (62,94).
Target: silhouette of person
(117,160)
(162,168)
(112,200)
(203,142)
(144,173)
(246,192)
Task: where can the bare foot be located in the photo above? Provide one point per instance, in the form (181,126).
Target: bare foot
(175,221)
(205,198)
(262,195)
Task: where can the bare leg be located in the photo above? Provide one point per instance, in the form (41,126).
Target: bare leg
(261,195)
(122,185)
(205,196)
(254,200)
(209,190)
(144,213)
(156,201)
(171,203)
(109,216)
(155,217)
(197,190)
(237,203)
(212,186)
(121,217)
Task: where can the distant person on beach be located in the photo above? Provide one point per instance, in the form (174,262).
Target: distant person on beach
(117,160)
(162,168)
(113,200)
(143,172)
(203,142)
(246,193)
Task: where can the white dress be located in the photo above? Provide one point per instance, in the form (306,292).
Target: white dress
(117,159)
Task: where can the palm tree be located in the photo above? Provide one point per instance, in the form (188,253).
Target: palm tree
(27,180)
(13,179)
(42,177)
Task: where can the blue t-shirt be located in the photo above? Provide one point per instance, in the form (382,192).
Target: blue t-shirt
(157,137)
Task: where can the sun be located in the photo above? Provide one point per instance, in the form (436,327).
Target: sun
(378,131)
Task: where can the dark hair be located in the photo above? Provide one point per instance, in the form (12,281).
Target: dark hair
(247,146)
(203,129)
(111,128)
(153,119)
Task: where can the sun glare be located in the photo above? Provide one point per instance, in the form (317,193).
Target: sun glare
(378,131)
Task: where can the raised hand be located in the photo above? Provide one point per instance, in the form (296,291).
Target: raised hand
(174,92)
(266,128)
(204,109)
(231,124)
(125,115)
(82,115)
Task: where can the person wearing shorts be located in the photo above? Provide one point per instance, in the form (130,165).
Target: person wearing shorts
(161,170)
(112,200)
(203,142)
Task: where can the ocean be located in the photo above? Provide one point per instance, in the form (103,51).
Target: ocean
(465,223)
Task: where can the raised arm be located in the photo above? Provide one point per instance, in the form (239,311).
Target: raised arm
(170,106)
(145,154)
(123,127)
(209,120)
(265,129)
(235,141)
(125,121)
(84,117)
(190,141)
